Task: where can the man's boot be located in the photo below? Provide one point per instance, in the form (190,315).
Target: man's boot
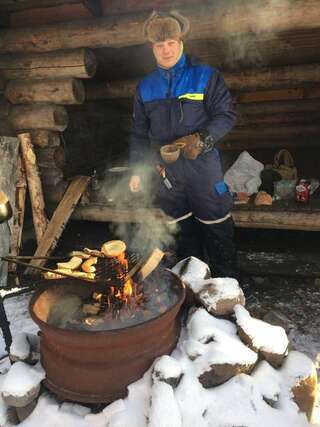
(221,249)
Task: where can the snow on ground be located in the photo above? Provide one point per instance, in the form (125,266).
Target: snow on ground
(241,401)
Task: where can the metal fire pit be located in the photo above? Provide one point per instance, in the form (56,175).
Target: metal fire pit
(97,366)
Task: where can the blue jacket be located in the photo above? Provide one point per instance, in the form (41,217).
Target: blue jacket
(173,103)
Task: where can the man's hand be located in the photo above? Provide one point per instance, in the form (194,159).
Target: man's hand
(191,146)
(135,184)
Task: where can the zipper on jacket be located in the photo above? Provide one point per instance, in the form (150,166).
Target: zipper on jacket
(169,85)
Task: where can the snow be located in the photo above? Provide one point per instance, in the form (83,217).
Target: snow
(166,367)
(22,378)
(264,336)
(20,347)
(261,399)
(165,411)
(190,269)
(225,288)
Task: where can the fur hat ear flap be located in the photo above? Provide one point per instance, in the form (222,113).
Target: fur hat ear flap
(159,27)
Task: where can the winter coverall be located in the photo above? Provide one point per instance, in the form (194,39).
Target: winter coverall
(169,104)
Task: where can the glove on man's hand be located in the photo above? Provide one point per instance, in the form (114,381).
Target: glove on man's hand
(191,146)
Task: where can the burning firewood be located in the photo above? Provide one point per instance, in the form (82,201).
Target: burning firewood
(88,265)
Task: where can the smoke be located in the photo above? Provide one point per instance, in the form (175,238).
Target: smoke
(250,39)
(145,231)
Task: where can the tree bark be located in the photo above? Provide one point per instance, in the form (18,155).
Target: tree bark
(80,63)
(213,21)
(49,117)
(34,185)
(58,91)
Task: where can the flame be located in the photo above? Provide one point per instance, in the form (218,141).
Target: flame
(127,289)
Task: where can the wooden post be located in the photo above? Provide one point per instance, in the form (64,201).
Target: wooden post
(50,117)
(34,185)
(44,138)
(55,91)
(80,63)
(18,216)
(59,220)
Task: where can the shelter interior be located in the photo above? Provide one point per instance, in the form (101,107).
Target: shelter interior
(68,71)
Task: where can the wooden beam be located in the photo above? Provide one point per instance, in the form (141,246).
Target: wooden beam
(59,219)
(220,20)
(47,116)
(262,143)
(272,218)
(51,14)
(115,7)
(279,107)
(253,81)
(29,4)
(34,185)
(297,93)
(300,118)
(80,63)
(56,91)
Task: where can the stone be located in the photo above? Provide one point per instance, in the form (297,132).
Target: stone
(190,269)
(20,349)
(168,370)
(220,373)
(25,411)
(24,400)
(220,295)
(270,341)
(305,394)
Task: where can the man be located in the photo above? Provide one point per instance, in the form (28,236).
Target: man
(186,102)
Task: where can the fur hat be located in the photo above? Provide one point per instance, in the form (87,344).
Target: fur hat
(159,27)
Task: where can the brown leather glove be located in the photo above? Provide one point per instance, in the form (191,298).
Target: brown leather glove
(190,145)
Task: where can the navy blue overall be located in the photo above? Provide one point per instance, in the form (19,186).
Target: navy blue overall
(172,103)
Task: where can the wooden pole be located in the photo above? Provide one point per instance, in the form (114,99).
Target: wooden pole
(18,216)
(34,185)
(80,63)
(220,20)
(47,116)
(55,91)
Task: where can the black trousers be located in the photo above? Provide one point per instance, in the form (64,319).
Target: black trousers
(212,243)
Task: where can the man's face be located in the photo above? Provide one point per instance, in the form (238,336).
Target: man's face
(167,53)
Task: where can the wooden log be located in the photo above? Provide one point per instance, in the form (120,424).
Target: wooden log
(51,176)
(279,95)
(44,138)
(291,75)
(278,119)
(55,91)
(272,218)
(113,90)
(59,219)
(307,221)
(283,133)
(260,143)
(6,128)
(19,211)
(49,15)
(79,63)
(278,107)
(47,116)
(214,21)
(34,185)
(115,7)
(54,193)
(29,4)
(51,157)
(4,107)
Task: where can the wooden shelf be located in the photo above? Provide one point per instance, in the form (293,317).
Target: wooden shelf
(281,215)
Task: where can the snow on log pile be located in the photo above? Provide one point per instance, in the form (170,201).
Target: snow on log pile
(228,369)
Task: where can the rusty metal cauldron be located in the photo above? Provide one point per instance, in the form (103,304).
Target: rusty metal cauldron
(97,366)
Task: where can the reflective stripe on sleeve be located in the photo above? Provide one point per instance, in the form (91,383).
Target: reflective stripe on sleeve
(215,221)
